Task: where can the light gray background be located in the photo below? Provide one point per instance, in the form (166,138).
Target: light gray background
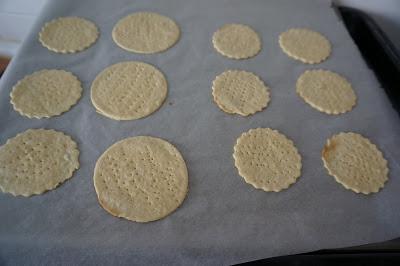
(223,220)
(384,12)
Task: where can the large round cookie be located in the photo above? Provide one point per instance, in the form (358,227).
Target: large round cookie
(141,179)
(146,33)
(128,90)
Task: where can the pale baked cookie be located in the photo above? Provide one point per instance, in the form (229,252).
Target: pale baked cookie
(355,162)
(128,90)
(326,91)
(46,93)
(36,161)
(237,41)
(267,159)
(141,179)
(240,92)
(305,45)
(68,34)
(145,33)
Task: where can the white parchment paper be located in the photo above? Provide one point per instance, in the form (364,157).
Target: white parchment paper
(223,220)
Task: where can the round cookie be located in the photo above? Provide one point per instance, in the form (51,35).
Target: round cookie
(36,161)
(141,179)
(128,90)
(236,41)
(355,162)
(145,33)
(240,92)
(68,34)
(267,159)
(46,93)
(326,91)
(305,45)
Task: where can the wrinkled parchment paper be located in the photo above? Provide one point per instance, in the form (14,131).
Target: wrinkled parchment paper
(223,220)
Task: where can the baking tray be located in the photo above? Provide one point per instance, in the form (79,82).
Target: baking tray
(223,220)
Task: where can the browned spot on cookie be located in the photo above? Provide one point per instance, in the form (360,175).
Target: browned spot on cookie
(328,148)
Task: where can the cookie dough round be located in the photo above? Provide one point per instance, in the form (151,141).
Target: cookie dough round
(326,91)
(267,159)
(305,45)
(237,41)
(68,34)
(141,179)
(36,161)
(355,162)
(240,92)
(128,90)
(46,93)
(145,33)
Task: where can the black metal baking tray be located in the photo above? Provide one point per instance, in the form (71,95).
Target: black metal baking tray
(382,57)
(376,48)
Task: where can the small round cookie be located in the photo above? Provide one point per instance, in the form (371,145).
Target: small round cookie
(355,162)
(326,91)
(145,33)
(36,161)
(46,93)
(141,179)
(305,45)
(236,41)
(267,159)
(128,90)
(68,34)
(240,92)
